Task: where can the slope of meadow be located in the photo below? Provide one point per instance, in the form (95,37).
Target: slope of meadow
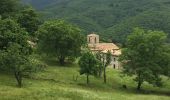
(58,83)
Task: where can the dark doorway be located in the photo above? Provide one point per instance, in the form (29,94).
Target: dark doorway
(114,66)
(95,40)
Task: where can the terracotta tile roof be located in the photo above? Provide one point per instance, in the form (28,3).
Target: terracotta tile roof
(105,47)
(113,52)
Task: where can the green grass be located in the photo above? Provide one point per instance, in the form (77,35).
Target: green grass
(56,83)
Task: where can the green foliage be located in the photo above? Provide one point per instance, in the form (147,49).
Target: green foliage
(60,39)
(108,58)
(25,16)
(105,60)
(88,65)
(149,20)
(10,32)
(166,61)
(57,83)
(143,55)
(15,62)
(29,19)
(14,49)
(112,19)
(101,67)
(8,7)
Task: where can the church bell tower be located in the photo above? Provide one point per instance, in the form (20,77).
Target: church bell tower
(93,38)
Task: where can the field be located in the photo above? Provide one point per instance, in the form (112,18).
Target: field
(60,83)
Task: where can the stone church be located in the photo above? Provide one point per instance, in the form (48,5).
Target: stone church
(95,46)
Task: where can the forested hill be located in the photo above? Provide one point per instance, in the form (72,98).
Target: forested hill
(114,19)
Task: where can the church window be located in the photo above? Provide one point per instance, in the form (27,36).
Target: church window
(114,59)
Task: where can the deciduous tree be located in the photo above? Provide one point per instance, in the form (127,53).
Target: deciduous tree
(8,7)
(61,39)
(29,19)
(14,49)
(143,56)
(105,60)
(15,61)
(88,65)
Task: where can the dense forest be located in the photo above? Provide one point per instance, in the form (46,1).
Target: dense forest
(113,19)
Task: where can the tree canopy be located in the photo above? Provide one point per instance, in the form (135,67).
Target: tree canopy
(105,60)
(89,65)
(112,19)
(60,39)
(8,7)
(143,56)
(10,32)
(29,19)
(14,49)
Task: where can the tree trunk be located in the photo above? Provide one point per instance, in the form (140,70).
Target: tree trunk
(104,75)
(87,79)
(18,77)
(139,85)
(100,73)
(139,82)
(62,60)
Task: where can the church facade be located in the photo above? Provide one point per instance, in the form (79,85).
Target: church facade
(94,45)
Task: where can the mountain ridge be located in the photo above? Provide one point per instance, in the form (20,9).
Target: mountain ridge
(108,17)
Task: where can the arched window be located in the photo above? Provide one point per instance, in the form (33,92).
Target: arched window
(114,66)
(95,40)
(114,59)
(89,39)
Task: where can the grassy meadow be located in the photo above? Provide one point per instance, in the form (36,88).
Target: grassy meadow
(65,83)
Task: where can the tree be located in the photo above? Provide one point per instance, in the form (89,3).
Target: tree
(8,7)
(143,55)
(88,65)
(28,19)
(61,39)
(101,67)
(105,60)
(14,49)
(166,61)
(13,60)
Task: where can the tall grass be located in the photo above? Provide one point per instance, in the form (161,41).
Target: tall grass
(59,83)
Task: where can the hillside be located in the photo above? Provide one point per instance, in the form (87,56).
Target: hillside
(56,83)
(113,19)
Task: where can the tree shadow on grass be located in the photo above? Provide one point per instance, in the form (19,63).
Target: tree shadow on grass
(128,90)
(51,61)
(133,90)
(152,92)
(164,92)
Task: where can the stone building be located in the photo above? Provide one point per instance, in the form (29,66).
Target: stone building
(95,46)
